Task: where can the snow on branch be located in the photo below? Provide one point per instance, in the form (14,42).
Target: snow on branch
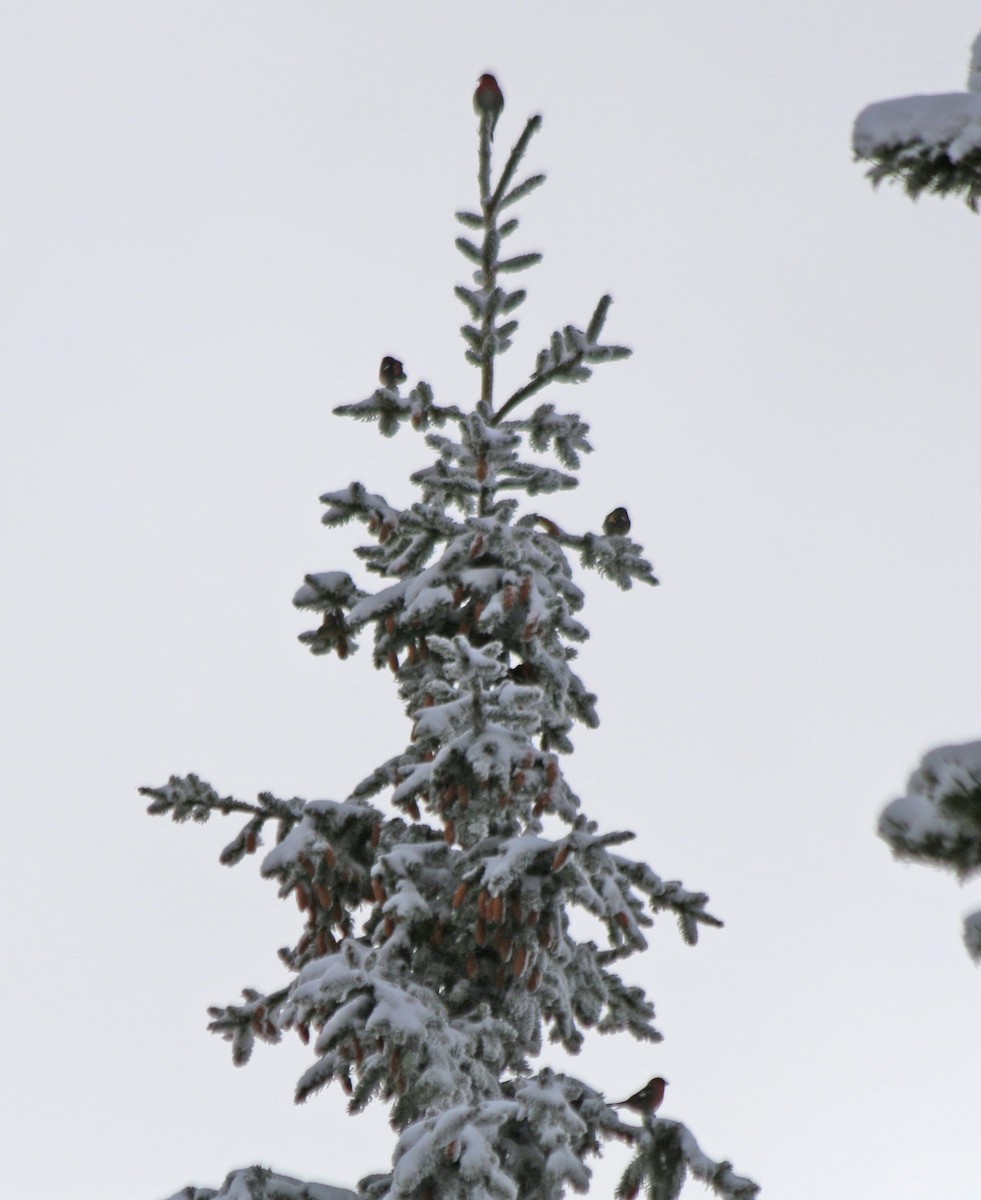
(670,896)
(260,1183)
(926,143)
(390,409)
(566,432)
(938,821)
(564,359)
(667,1153)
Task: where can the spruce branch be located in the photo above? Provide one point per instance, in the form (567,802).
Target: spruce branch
(938,821)
(188,797)
(260,1183)
(667,1153)
(391,410)
(501,198)
(613,555)
(926,143)
(241,1024)
(922,168)
(564,359)
(487,340)
(525,188)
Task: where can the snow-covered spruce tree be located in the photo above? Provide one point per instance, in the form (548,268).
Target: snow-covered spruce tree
(933,144)
(436,949)
(926,143)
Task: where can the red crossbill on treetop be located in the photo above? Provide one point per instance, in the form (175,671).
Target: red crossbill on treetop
(488,100)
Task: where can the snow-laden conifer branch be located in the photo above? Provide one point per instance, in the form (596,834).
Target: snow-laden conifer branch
(486,338)
(190,798)
(564,359)
(565,433)
(502,197)
(926,143)
(540,1129)
(391,410)
(938,821)
(259,1183)
(241,1024)
(670,896)
(666,1154)
(617,558)
(612,555)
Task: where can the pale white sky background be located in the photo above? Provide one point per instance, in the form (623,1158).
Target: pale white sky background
(215,218)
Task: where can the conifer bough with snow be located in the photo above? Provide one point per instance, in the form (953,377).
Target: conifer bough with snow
(926,143)
(938,820)
(436,950)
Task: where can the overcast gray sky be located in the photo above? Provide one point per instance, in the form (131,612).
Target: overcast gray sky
(215,218)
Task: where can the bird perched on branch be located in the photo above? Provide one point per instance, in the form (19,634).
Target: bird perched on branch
(617,523)
(523,672)
(488,100)
(390,373)
(647,1100)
